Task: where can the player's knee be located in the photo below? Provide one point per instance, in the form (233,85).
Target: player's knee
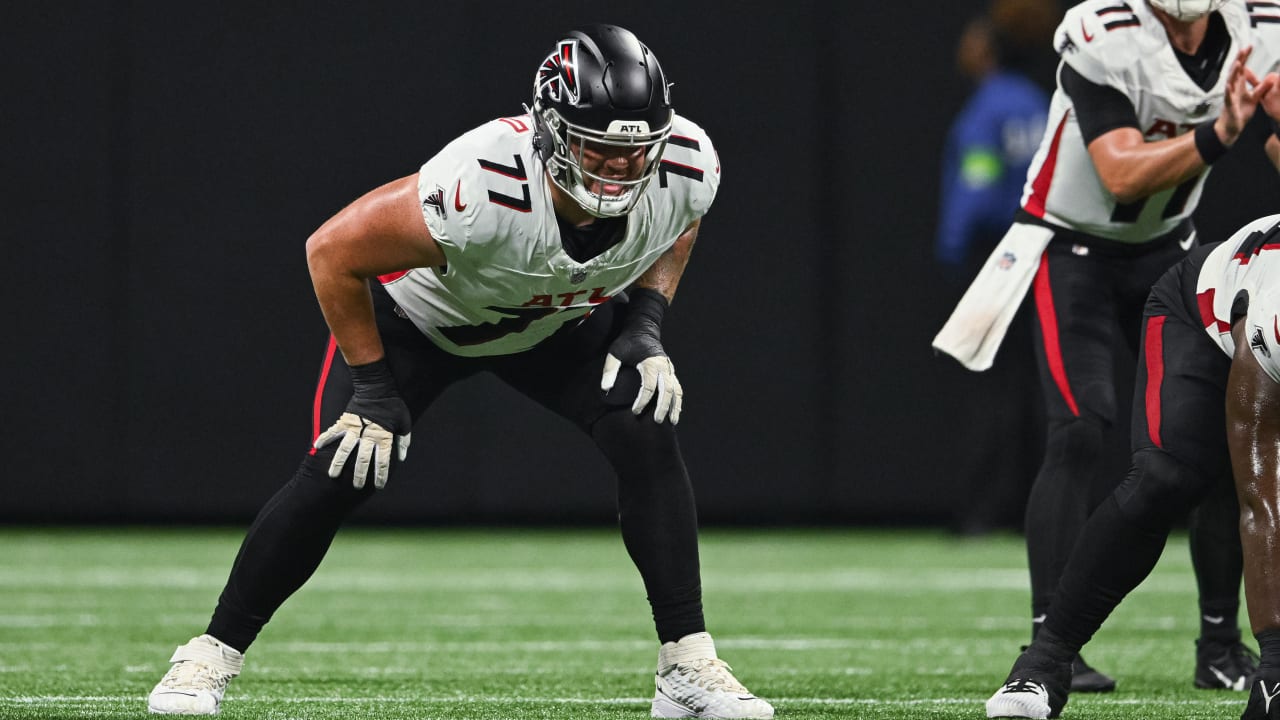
(1079,437)
(1159,490)
(636,443)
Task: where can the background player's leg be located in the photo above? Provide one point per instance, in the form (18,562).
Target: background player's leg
(1076,340)
(1218,560)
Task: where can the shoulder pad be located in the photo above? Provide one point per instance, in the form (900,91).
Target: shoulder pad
(1256,24)
(457,187)
(1262,328)
(690,155)
(1103,39)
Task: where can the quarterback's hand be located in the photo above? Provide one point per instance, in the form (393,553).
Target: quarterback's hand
(375,419)
(1240,100)
(640,345)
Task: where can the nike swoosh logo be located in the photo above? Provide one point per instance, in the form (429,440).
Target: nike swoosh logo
(1186,244)
(457,198)
(1237,684)
(1215,619)
(1083,31)
(1039,618)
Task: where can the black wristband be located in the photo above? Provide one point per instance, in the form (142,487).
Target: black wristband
(646,304)
(1208,144)
(373,380)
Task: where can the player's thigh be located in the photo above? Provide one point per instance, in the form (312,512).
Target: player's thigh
(421,370)
(563,374)
(1076,335)
(1179,397)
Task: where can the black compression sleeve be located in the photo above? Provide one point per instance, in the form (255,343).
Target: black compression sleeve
(1099,108)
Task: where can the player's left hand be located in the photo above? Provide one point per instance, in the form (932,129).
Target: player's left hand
(1243,93)
(376,420)
(640,345)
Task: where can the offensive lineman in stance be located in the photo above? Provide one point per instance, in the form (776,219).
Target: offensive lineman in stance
(508,252)
(1211,333)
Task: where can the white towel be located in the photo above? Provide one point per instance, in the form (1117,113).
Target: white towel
(977,326)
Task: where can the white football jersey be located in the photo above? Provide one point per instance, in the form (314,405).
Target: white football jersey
(1124,46)
(1241,277)
(509,284)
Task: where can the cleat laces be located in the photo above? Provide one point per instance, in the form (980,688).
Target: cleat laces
(711,674)
(1022,686)
(192,675)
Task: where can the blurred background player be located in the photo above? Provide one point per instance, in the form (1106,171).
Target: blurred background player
(989,147)
(1147,99)
(509,252)
(1208,402)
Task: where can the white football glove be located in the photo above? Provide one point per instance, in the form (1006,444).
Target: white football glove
(374,443)
(657,376)
(639,344)
(375,418)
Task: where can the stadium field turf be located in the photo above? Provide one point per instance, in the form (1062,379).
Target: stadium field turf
(514,623)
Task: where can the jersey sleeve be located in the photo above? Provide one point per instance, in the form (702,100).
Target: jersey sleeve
(448,214)
(1263,330)
(691,165)
(1100,44)
(454,190)
(1264,20)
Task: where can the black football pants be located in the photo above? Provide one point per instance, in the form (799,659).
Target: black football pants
(1089,307)
(656,510)
(1180,458)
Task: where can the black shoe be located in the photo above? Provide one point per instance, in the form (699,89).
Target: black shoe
(1224,666)
(1037,687)
(1086,679)
(1264,700)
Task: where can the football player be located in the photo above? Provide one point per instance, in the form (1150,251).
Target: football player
(1209,362)
(545,249)
(1150,93)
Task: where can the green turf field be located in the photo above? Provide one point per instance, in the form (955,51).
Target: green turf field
(553,624)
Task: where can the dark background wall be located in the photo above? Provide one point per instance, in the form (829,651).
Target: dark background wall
(164,164)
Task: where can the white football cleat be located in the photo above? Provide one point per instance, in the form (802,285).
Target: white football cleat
(693,683)
(199,676)
(1020,699)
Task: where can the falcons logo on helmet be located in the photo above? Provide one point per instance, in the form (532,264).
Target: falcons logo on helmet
(558,76)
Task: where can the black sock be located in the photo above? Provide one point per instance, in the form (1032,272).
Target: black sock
(1269,648)
(1219,623)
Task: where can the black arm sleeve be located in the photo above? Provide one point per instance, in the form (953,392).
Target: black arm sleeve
(1098,108)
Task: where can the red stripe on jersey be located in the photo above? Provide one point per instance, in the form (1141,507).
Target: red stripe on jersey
(1049,326)
(1040,186)
(324,377)
(1244,258)
(392,277)
(1155,375)
(1205,301)
(516,123)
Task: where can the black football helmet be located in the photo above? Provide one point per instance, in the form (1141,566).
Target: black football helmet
(602,85)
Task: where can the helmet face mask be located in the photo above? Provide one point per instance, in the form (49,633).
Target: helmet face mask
(1187,10)
(601,94)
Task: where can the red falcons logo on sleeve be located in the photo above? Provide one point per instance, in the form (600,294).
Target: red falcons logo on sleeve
(558,76)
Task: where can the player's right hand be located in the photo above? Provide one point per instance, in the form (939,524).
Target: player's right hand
(374,420)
